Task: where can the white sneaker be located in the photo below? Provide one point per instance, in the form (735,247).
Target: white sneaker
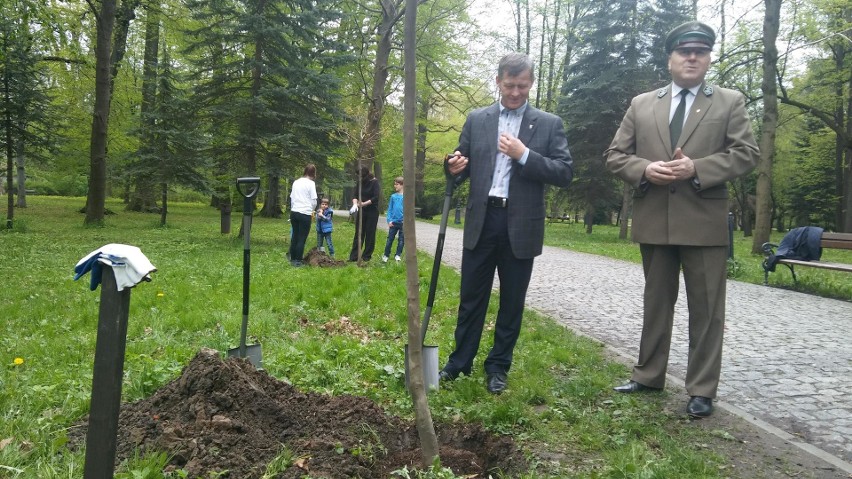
(397,258)
(384,259)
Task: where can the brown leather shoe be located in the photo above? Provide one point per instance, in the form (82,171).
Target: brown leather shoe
(634,387)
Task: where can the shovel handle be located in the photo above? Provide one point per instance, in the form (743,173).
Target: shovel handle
(248,186)
(439,252)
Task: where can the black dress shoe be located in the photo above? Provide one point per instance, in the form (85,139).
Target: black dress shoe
(445,377)
(496,383)
(634,387)
(699,406)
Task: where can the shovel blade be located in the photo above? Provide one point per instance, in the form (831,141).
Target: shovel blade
(430,368)
(253,353)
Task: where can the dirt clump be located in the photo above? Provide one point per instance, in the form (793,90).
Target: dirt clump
(319,258)
(222,416)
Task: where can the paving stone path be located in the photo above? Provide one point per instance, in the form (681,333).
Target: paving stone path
(787,362)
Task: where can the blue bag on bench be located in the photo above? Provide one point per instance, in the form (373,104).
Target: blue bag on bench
(799,243)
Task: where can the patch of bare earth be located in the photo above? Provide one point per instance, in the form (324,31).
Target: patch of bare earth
(321,259)
(224,415)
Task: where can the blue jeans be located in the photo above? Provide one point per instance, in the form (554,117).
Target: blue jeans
(325,237)
(392,231)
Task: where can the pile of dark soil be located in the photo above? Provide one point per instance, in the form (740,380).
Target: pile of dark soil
(319,258)
(224,415)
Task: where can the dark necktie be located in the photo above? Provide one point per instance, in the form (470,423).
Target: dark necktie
(676,124)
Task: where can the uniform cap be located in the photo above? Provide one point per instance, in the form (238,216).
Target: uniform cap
(690,34)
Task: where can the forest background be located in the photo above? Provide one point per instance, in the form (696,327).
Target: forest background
(149,100)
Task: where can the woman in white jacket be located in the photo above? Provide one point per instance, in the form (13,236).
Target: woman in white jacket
(303,201)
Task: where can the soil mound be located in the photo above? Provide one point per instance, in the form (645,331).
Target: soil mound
(319,258)
(223,416)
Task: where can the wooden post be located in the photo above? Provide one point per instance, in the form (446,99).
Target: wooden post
(101,439)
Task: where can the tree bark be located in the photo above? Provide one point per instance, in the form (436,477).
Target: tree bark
(272,207)
(20,160)
(124,14)
(422,414)
(143,197)
(845,148)
(10,203)
(165,203)
(96,198)
(367,147)
(624,215)
(763,203)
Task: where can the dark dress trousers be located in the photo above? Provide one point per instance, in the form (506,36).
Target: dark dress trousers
(503,238)
(366,221)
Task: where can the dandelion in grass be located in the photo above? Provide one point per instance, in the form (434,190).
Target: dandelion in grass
(18,361)
(160,294)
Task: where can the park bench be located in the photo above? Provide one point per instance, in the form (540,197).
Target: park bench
(827,241)
(559,218)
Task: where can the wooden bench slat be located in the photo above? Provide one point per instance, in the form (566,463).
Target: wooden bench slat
(818,264)
(836,244)
(837,236)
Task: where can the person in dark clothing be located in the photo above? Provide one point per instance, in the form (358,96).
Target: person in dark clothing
(509,151)
(366,207)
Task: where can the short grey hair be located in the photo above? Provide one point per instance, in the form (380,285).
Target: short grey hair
(513,64)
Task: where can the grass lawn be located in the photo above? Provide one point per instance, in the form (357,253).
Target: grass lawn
(560,407)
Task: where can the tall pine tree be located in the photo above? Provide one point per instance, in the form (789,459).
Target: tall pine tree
(265,83)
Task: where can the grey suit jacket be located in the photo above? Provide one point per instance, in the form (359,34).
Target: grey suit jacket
(549,161)
(717,136)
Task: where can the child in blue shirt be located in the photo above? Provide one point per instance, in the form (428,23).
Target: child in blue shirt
(394,217)
(325,226)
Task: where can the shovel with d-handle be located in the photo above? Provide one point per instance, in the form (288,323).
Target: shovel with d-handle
(430,353)
(248,188)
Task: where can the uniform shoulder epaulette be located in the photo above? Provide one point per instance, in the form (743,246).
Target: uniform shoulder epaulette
(708,90)
(662,92)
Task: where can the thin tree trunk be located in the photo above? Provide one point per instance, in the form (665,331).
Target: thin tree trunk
(624,215)
(96,198)
(541,54)
(845,118)
(590,218)
(164,200)
(551,73)
(529,27)
(847,172)
(422,414)
(10,195)
(22,175)
(763,203)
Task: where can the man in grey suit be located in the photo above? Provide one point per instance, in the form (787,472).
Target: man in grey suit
(509,150)
(677,147)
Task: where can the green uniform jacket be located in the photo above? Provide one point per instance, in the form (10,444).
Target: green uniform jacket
(717,136)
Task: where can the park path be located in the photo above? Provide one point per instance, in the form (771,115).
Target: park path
(787,361)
